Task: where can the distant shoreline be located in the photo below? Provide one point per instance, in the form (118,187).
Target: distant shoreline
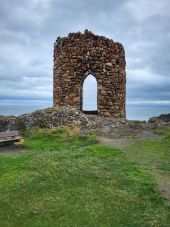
(135,112)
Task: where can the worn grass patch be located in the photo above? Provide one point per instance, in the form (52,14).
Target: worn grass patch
(72,180)
(152,154)
(154,157)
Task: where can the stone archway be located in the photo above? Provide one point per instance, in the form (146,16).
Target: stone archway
(89,95)
(81,54)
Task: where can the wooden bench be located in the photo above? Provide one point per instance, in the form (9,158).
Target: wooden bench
(10,137)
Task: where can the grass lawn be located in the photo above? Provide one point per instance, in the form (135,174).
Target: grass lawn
(72,181)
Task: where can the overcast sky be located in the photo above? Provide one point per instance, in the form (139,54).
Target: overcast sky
(28,29)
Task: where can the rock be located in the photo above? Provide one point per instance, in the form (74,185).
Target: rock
(76,99)
(107,114)
(46,118)
(161,118)
(5,121)
(109,64)
(64,116)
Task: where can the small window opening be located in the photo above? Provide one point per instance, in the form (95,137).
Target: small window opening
(90,95)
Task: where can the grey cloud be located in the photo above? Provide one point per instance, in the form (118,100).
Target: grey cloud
(29,29)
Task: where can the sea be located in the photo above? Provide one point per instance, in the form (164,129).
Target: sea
(133,112)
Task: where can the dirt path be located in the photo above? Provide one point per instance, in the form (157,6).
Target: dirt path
(124,141)
(162,180)
(118,142)
(163,183)
(9,150)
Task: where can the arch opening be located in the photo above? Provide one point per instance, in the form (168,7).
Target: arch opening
(89,97)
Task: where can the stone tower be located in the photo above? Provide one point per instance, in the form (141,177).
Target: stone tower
(80,54)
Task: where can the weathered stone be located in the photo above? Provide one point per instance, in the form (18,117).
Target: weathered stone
(77,56)
(109,64)
(161,118)
(46,118)
(64,116)
(107,114)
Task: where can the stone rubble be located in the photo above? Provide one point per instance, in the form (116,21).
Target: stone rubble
(65,116)
(161,118)
(46,118)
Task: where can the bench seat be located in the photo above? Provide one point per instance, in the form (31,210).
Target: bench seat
(10,136)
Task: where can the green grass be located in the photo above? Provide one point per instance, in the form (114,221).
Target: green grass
(152,155)
(72,180)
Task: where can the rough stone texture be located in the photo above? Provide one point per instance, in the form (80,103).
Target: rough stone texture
(46,118)
(118,128)
(64,116)
(161,118)
(77,56)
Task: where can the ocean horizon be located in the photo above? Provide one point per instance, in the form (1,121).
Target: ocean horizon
(133,112)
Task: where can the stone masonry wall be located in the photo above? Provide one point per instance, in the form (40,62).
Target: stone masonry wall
(80,54)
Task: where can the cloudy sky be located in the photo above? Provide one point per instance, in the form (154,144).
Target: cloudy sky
(28,29)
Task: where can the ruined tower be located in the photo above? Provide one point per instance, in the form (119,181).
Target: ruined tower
(80,54)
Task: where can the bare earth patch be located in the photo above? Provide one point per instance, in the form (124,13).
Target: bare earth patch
(115,142)
(9,150)
(163,183)
(162,180)
(129,139)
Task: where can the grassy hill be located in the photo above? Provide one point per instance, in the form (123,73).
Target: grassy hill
(64,179)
